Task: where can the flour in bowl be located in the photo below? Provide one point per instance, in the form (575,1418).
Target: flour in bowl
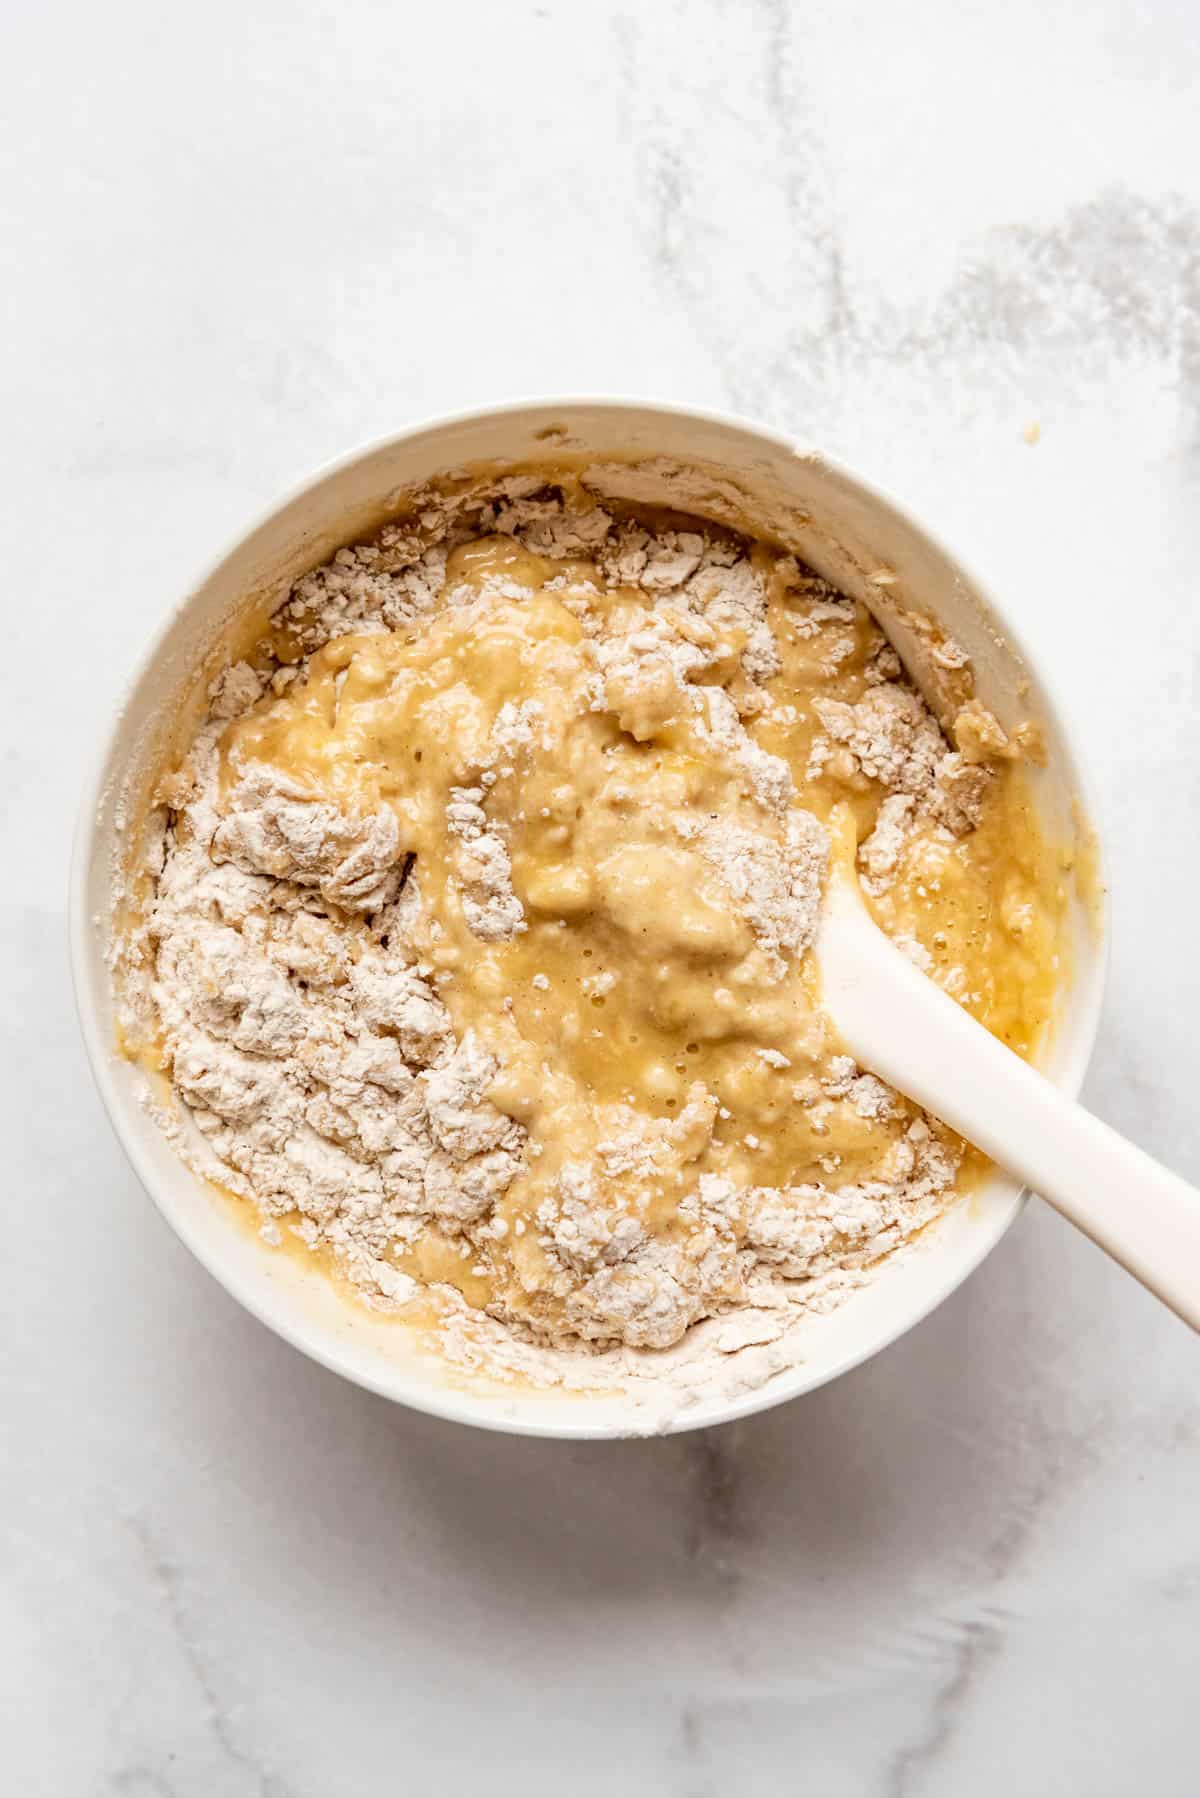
(476,944)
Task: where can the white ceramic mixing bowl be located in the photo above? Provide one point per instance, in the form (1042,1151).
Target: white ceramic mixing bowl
(841,525)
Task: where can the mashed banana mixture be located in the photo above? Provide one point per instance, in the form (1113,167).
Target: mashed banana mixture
(475,948)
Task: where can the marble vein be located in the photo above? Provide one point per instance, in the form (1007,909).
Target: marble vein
(243,1776)
(978,1643)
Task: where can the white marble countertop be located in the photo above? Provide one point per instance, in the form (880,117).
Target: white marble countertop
(241,238)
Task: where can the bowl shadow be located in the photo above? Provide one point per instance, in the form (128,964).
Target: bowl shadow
(938,1453)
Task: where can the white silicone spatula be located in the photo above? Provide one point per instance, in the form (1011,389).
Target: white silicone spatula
(902,1027)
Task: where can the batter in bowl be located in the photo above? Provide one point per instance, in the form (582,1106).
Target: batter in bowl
(475,943)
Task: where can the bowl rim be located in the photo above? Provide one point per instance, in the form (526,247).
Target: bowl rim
(567,1420)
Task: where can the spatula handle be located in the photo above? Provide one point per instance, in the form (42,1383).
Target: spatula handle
(897,1023)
